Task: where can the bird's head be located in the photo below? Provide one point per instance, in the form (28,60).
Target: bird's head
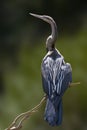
(50,42)
(45,18)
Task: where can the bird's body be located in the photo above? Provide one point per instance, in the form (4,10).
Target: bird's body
(56,76)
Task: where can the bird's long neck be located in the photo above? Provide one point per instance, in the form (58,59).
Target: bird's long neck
(54,31)
(50,43)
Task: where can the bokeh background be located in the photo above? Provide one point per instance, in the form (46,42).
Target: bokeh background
(22,47)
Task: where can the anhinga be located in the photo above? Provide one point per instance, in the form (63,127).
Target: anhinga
(56,75)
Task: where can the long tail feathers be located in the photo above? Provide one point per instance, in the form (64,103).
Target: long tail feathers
(53,115)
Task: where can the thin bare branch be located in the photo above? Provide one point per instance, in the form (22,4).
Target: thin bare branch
(74,84)
(18,121)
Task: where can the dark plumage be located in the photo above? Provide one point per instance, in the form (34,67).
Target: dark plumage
(56,76)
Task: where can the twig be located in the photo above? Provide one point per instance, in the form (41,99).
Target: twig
(74,84)
(18,121)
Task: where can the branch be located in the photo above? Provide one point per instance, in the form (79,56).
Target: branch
(74,84)
(19,120)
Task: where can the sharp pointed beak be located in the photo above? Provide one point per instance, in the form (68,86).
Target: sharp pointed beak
(37,16)
(43,17)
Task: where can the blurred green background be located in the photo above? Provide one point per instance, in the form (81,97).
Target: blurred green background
(22,47)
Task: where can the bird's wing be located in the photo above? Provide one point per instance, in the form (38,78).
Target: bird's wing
(53,74)
(47,76)
(61,78)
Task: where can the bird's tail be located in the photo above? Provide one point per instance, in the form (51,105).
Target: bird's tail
(53,114)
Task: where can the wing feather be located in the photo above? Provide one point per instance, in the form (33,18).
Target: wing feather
(53,73)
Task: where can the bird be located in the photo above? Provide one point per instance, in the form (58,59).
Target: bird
(56,75)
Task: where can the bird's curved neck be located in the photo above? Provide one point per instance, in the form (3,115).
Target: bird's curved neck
(50,43)
(54,31)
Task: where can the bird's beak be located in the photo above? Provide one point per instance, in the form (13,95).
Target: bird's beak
(38,16)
